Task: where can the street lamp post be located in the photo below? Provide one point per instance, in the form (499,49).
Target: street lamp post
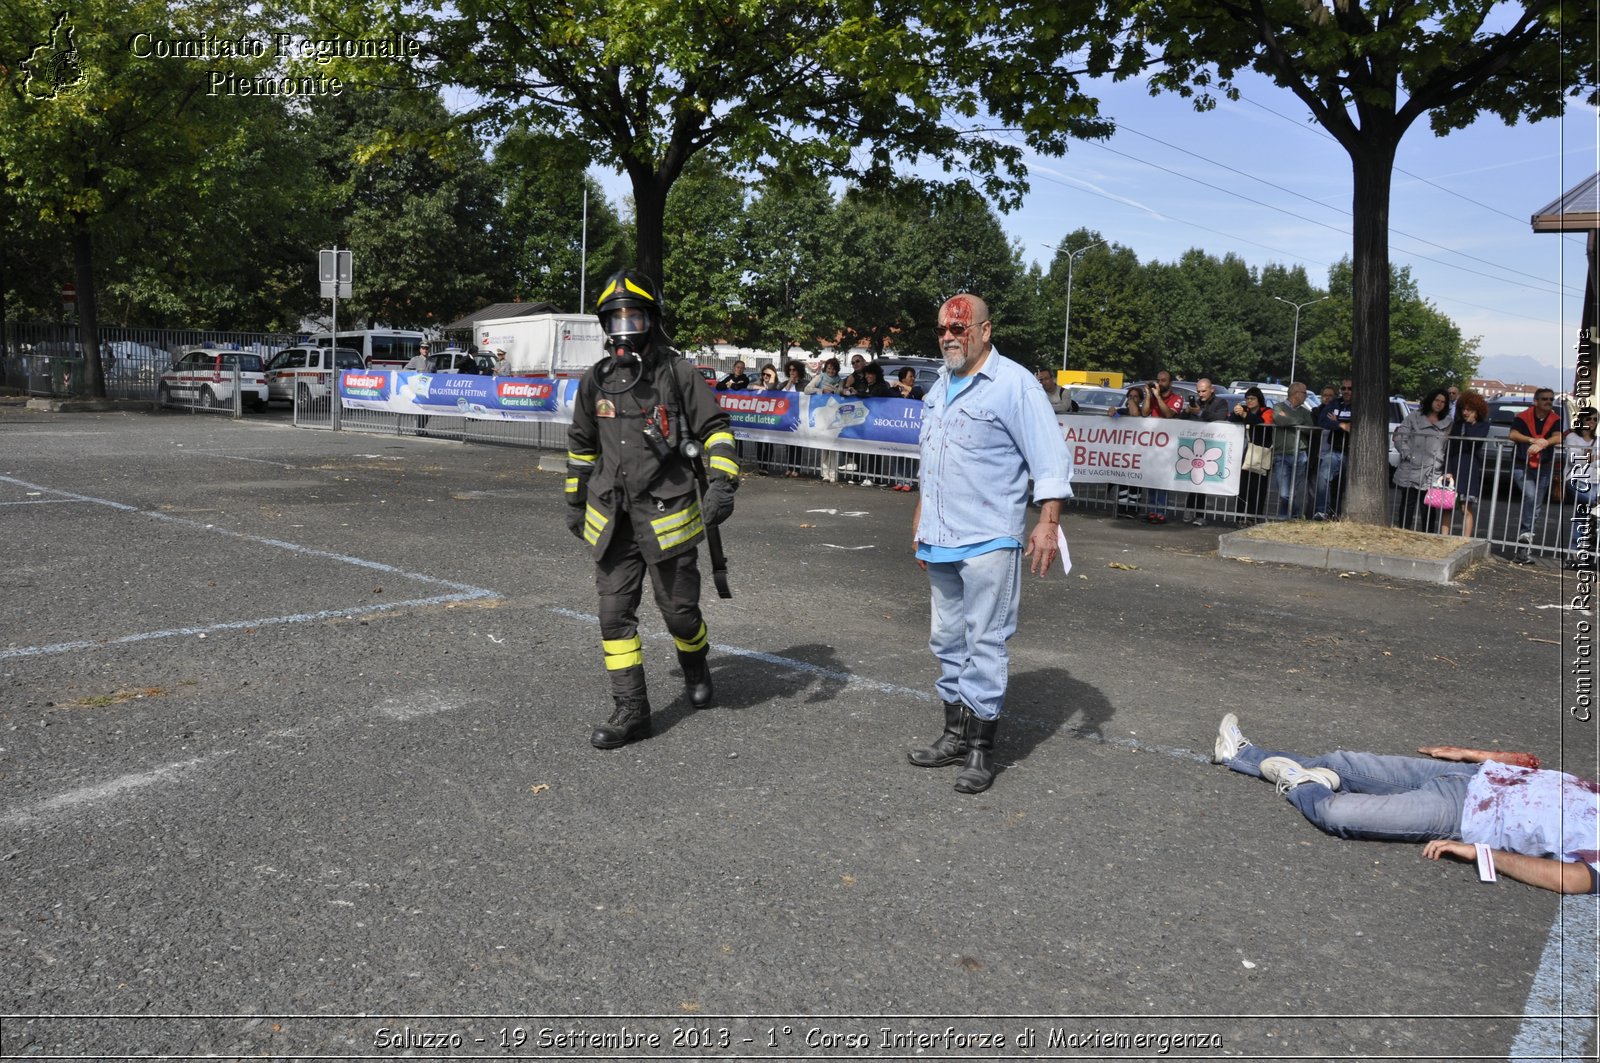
(1294,355)
(1066,328)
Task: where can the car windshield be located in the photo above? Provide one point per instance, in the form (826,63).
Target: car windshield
(345,358)
(249,363)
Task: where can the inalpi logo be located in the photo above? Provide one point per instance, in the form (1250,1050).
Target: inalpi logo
(524,391)
(361,380)
(762,404)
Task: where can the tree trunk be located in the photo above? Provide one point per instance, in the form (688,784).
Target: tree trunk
(649,214)
(1367,451)
(88,318)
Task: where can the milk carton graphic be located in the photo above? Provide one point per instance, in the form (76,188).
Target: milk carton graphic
(837,416)
(415,388)
(467,406)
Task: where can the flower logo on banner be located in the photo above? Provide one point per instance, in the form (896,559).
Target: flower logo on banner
(1199,460)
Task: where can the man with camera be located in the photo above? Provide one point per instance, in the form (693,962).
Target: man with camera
(1161,401)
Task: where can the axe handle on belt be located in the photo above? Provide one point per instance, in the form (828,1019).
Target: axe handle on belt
(719,562)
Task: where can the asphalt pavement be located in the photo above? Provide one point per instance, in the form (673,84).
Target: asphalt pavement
(294,763)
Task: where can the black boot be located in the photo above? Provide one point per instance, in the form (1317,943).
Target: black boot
(950,746)
(977,775)
(630,721)
(696,677)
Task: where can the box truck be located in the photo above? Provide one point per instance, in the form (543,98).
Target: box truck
(556,345)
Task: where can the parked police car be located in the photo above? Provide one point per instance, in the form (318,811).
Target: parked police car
(302,372)
(204,376)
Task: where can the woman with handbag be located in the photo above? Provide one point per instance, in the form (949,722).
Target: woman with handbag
(1466,455)
(1421,440)
(1256,469)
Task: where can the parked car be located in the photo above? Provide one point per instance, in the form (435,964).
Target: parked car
(301,371)
(204,376)
(453,360)
(709,372)
(1092,399)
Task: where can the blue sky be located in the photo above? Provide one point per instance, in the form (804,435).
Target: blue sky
(1255,177)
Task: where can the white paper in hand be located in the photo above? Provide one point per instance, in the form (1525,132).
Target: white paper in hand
(1066,555)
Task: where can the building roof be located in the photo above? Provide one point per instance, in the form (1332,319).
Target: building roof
(1577,210)
(494,310)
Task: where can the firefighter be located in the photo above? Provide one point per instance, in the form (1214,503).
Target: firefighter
(639,413)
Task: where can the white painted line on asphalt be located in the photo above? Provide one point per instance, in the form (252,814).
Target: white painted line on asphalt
(239,625)
(1558,1020)
(84,795)
(464,592)
(44,502)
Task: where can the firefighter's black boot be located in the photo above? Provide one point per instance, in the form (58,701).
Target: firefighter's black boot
(630,721)
(977,775)
(696,677)
(951,745)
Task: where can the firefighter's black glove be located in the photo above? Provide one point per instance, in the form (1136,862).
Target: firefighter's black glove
(575,520)
(717,505)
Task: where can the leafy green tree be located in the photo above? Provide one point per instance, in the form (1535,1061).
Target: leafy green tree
(415,203)
(705,267)
(854,88)
(543,185)
(95,142)
(786,247)
(1111,306)
(1368,70)
(1426,347)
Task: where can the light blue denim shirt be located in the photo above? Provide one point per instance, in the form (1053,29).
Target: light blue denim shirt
(979,450)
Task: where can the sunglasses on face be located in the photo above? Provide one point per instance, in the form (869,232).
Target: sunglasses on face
(957,330)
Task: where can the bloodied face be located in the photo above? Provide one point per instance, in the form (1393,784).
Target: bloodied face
(963,333)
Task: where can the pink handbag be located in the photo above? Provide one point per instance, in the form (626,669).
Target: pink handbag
(1442,495)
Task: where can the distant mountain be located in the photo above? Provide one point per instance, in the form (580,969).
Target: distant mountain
(1521,369)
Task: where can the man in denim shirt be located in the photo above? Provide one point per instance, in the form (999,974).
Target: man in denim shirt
(986,428)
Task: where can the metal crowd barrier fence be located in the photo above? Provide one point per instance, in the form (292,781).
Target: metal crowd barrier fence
(1306,479)
(46,359)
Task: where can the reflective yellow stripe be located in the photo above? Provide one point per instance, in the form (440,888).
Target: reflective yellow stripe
(673,520)
(694,645)
(683,535)
(572,485)
(594,523)
(575,458)
(724,465)
(724,438)
(622,653)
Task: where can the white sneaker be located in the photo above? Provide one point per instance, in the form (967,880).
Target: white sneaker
(1288,774)
(1229,740)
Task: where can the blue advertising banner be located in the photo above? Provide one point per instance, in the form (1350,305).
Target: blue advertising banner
(1133,451)
(494,398)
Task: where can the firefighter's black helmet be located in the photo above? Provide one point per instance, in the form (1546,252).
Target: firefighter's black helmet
(623,295)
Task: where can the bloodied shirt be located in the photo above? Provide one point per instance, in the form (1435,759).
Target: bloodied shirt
(1533,812)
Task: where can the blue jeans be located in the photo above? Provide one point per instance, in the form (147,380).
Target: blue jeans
(1583,516)
(1289,473)
(1328,469)
(974,615)
(1158,502)
(1535,486)
(1397,799)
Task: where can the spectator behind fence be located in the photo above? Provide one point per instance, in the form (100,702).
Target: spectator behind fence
(1580,451)
(794,376)
(1161,401)
(1132,406)
(768,380)
(1291,440)
(906,387)
(828,381)
(738,380)
(1534,431)
(871,384)
(1060,398)
(1333,417)
(855,379)
(1421,440)
(766,452)
(1538,826)
(1468,432)
(1208,407)
(1256,417)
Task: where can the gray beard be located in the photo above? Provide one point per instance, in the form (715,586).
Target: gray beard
(955,362)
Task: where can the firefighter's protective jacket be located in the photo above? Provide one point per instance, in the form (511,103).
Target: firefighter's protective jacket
(623,452)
